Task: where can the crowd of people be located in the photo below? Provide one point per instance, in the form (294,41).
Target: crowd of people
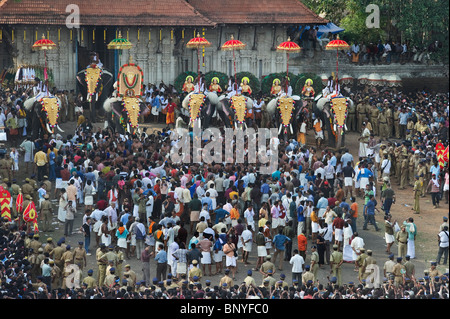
(199,223)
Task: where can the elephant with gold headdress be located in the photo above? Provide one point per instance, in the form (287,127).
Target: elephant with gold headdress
(124,114)
(95,84)
(286,113)
(333,110)
(43,115)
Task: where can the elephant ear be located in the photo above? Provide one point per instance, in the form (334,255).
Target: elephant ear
(185,103)
(272,106)
(213,98)
(28,104)
(107,105)
(249,103)
(321,103)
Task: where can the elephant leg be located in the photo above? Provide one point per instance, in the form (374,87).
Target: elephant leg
(92,111)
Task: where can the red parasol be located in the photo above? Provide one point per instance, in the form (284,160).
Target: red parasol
(44,44)
(337,45)
(288,47)
(232,45)
(197,43)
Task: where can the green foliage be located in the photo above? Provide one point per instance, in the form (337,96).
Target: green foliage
(254,82)
(317,83)
(179,81)
(266,83)
(223,79)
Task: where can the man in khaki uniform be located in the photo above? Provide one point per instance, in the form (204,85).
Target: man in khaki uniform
(268,264)
(68,254)
(396,117)
(402,241)
(361,114)
(314,261)
(421,172)
(307,275)
(90,280)
(49,246)
(399,272)
(4,171)
(48,184)
(35,244)
(226,279)
(369,260)
(359,262)
(410,269)
(56,274)
(101,263)
(382,121)
(56,254)
(79,256)
(46,213)
(404,171)
(27,188)
(351,118)
(15,191)
(336,260)
(373,118)
(390,120)
(413,166)
(131,274)
(120,260)
(398,164)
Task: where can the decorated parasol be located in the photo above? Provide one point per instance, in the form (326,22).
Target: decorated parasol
(232,45)
(197,43)
(120,44)
(337,45)
(43,45)
(288,47)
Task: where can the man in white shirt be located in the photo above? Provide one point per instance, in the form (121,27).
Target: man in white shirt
(249,217)
(386,166)
(298,264)
(247,239)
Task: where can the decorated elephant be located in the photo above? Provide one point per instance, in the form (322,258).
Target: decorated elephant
(287,112)
(202,107)
(43,115)
(95,85)
(235,109)
(123,114)
(332,110)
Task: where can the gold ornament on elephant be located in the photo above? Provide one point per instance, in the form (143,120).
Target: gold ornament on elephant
(196,102)
(51,106)
(339,106)
(131,105)
(92,77)
(286,106)
(239,104)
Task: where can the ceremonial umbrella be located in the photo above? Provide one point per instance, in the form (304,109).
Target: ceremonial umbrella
(337,45)
(233,45)
(197,43)
(288,47)
(120,44)
(44,45)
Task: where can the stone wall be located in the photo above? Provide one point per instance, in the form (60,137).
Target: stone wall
(165,59)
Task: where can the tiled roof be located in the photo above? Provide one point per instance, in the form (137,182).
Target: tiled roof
(104,12)
(257,12)
(207,13)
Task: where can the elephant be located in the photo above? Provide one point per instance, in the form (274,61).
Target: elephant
(95,85)
(42,114)
(291,112)
(334,121)
(201,109)
(236,108)
(123,113)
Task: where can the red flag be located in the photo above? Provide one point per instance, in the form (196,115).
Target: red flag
(19,203)
(30,213)
(446,154)
(440,151)
(35,226)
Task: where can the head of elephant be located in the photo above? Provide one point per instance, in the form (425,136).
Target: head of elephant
(48,106)
(286,107)
(92,76)
(239,105)
(127,108)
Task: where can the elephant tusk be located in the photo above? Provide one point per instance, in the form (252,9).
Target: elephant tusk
(128,128)
(48,129)
(57,126)
(290,126)
(279,130)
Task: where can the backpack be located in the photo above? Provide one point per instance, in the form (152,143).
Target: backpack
(139,234)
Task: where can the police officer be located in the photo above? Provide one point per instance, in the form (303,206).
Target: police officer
(382,121)
(79,256)
(336,260)
(404,171)
(373,117)
(351,118)
(46,213)
(399,272)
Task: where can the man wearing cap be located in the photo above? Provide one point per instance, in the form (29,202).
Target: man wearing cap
(226,279)
(46,213)
(336,260)
(110,278)
(389,266)
(433,271)
(402,240)
(444,223)
(399,271)
(359,264)
(101,263)
(90,280)
(49,246)
(383,121)
(361,113)
(422,173)
(298,264)
(417,191)
(387,198)
(307,275)
(249,280)
(195,273)
(57,253)
(404,169)
(56,274)
(79,256)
